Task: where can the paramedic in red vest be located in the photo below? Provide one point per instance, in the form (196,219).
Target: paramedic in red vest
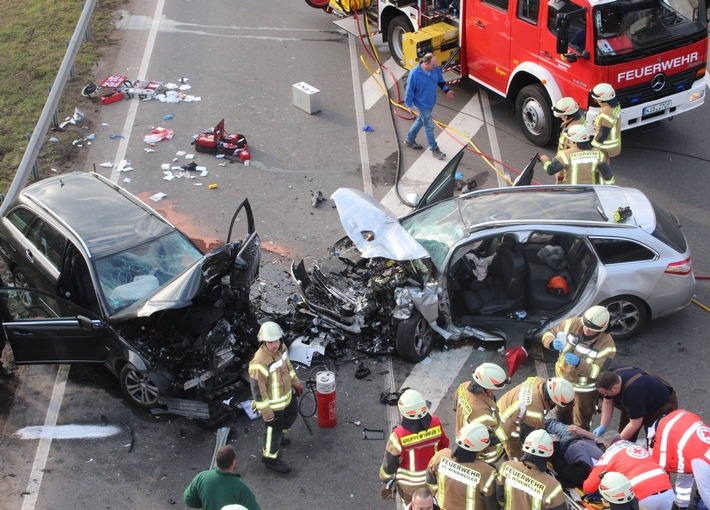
(412,445)
(650,482)
(585,349)
(642,397)
(680,443)
(607,123)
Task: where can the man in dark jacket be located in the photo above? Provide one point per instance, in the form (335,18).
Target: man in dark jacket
(217,488)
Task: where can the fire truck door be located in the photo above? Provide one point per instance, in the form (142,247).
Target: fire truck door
(525,32)
(488,42)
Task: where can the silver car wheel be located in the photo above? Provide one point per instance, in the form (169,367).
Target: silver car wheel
(627,316)
(138,388)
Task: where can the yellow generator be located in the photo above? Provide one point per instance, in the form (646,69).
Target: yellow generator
(441,39)
(348,6)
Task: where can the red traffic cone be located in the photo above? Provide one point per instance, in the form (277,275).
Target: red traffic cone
(514,357)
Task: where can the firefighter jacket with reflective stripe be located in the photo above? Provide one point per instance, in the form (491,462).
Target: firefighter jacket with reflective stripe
(526,487)
(412,451)
(681,437)
(611,118)
(647,477)
(580,166)
(480,408)
(462,486)
(525,403)
(563,141)
(593,355)
(272,378)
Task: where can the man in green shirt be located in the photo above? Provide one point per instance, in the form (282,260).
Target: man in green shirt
(217,488)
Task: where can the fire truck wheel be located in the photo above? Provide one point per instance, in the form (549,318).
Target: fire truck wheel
(395,31)
(414,338)
(533,109)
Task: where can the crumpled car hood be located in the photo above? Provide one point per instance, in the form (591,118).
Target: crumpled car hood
(181,292)
(373,228)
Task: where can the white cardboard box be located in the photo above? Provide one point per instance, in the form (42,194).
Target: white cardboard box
(306,98)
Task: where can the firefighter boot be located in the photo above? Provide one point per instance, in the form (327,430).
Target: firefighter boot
(276,465)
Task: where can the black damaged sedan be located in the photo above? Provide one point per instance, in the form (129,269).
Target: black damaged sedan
(102,278)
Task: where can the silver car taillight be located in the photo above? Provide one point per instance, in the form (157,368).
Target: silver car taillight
(683,267)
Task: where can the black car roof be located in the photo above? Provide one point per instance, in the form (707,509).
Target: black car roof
(104,216)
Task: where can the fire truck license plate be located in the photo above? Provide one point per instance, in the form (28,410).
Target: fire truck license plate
(656,107)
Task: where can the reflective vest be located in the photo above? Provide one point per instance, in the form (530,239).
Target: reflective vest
(647,477)
(461,485)
(415,450)
(528,396)
(580,165)
(526,487)
(480,408)
(273,378)
(563,141)
(592,355)
(681,437)
(609,117)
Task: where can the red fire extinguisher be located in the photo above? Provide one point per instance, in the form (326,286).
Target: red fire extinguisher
(325,392)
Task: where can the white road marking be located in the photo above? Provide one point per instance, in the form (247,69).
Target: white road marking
(495,148)
(421,174)
(434,379)
(50,420)
(66,431)
(372,88)
(133,107)
(360,117)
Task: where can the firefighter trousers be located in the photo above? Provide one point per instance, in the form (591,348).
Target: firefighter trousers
(283,420)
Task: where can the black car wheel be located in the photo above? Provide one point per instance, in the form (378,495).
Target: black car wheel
(628,315)
(395,31)
(414,338)
(533,109)
(138,388)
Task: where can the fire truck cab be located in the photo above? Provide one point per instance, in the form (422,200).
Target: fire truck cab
(653,52)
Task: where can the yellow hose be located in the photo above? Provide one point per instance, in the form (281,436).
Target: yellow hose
(698,303)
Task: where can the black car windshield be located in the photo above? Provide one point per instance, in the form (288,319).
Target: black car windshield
(437,229)
(135,274)
(627,30)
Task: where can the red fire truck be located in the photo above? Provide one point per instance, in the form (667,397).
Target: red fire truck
(653,52)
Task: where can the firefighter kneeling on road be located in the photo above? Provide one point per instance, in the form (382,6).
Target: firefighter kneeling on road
(581,163)
(410,447)
(585,350)
(458,478)
(525,484)
(272,381)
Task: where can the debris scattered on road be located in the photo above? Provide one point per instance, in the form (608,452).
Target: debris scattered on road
(373,433)
(158,135)
(317,197)
(158,197)
(106,164)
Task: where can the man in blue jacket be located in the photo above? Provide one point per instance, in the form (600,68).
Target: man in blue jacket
(421,95)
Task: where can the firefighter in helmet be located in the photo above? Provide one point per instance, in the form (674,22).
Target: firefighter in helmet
(476,403)
(567,110)
(273,382)
(585,349)
(458,477)
(525,484)
(607,123)
(523,409)
(581,163)
(410,447)
(616,490)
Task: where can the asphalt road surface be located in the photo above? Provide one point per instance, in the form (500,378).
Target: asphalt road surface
(242,59)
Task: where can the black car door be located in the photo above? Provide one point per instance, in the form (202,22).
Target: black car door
(43,328)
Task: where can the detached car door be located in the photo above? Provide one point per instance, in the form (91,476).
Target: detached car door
(43,328)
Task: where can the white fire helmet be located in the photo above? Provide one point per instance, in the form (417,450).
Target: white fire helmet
(539,443)
(473,437)
(560,390)
(596,318)
(616,488)
(490,376)
(270,332)
(565,106)
(578,133)
(603,92)
(412,405)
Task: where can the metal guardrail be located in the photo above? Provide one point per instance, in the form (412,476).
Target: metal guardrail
(55,93)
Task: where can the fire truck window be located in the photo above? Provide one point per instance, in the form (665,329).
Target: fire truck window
(500,4)
(528,10)
(577,25)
